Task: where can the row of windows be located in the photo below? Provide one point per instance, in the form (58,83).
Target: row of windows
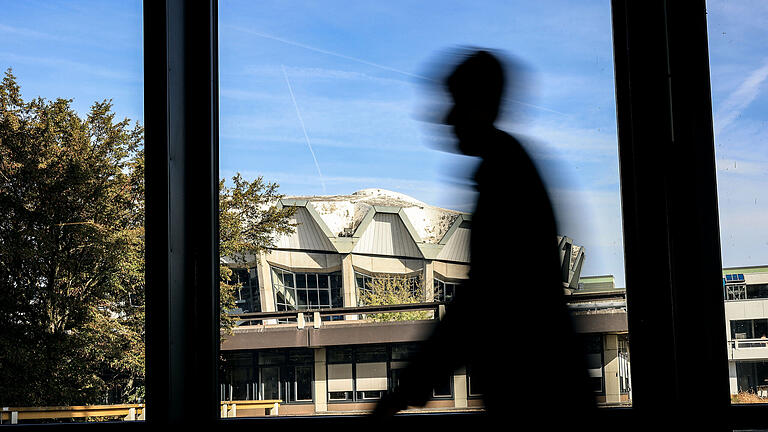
(365,373)
(267,375)
(365,282)
(752,377)
(297,291)
(749,329)
(360,373)
(306,291)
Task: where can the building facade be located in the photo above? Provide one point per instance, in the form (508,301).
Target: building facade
(306,338)
(746,311)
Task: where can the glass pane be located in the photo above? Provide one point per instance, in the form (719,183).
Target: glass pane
(738,72)
(270,383)
(288,279)
(332,115)
(313,298)
(72,211)
(302,298)
(325,300)
(303,383)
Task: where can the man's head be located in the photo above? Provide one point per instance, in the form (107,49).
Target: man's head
(476,86)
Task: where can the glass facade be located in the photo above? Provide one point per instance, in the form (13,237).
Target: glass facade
(445,291)
(412,283)
(247,296)
(306,291)
(285,375)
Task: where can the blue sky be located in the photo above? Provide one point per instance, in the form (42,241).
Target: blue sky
(329,98)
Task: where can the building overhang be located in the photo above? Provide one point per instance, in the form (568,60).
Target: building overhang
(330,334)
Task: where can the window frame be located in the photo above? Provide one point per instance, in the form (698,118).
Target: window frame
(662,79)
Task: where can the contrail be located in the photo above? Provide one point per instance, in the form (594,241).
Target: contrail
(331,53)
(303,128)
(366,62)
(740,98)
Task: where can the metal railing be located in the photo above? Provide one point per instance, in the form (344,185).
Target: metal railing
(749,343)
(318,316)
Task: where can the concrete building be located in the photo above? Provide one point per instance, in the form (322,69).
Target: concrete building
(307,337)
(599,310)
(746,311)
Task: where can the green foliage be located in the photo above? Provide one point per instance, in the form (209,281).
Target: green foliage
(71,253)
(249,220)
(393,290)
(72,319)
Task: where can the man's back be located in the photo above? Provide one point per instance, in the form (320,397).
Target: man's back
(524,344)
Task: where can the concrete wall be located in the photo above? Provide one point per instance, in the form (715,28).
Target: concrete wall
(611,368)
(732,377)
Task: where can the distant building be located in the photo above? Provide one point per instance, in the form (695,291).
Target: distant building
(303,338)
(746,314)
(599,310)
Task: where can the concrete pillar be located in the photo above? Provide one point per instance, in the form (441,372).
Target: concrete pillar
(321,382)
(460,388)
(733,378)
(429,281)
(611,368)
(348,284)
(266,293)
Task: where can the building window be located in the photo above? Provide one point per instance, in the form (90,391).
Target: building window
(302,383)
(366,373)
(444,389)
(302,291)
(445,291)
(247,297)
(625,376)
(474,383)
(755,291)
(238,377)
(268,375)
(593,347)
(752,377)
(364,282)
(749,329)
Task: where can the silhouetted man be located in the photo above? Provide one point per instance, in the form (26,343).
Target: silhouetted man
(509,324)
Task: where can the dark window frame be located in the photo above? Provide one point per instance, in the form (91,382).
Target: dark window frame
(664,118)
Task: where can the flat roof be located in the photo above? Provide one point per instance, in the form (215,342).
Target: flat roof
(746,269)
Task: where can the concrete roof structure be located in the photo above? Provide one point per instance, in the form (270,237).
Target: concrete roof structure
(377,222)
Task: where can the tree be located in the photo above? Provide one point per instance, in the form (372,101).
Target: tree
(393,290)
(72,320)
(71,252)
(249,220)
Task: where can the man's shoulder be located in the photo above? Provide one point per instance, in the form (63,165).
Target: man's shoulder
(506,148)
